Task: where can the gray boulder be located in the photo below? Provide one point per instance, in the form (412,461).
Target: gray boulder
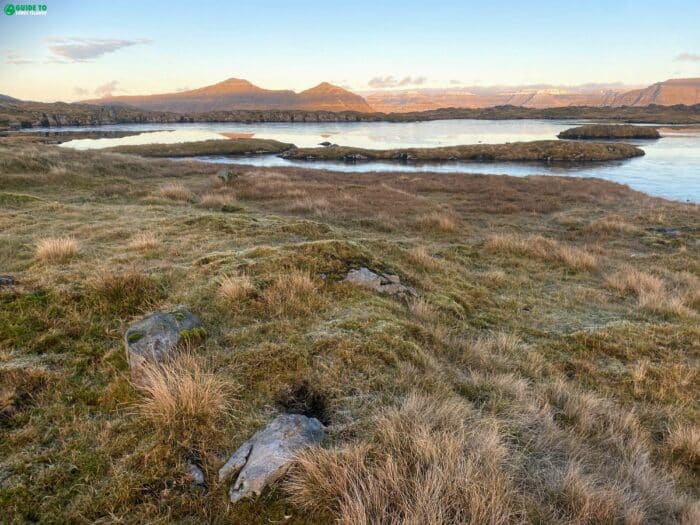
(382,283)
(7,280)
(226,175)
(266,456)
(155,337)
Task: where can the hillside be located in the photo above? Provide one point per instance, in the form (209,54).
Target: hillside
(237,94)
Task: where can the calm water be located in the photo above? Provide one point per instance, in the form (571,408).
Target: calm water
(670,168)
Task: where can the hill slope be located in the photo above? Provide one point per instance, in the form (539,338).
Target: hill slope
(234,94)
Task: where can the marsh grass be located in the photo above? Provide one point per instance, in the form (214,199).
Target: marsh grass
(233,288)
(437,221)
(176,191)
(292,293)
(542,248)
(144,241)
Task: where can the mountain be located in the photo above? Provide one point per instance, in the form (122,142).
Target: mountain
(234,94)
(670,92)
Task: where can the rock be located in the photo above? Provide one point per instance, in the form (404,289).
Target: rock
(266,456)
(7,280)
(226,175)
(668,232)
(381,283)
(196,475)
(325,144)
(354,157)
(153,338)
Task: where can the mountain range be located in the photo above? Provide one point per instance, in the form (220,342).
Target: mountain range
(235,93)
(238,94)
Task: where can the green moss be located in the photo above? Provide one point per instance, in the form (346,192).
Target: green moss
(194,334)
(133,337)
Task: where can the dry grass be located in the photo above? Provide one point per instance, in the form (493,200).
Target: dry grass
(437,221)
(233,288)
(543,248)
(176,191)
(610,225)
(144,241)
(420,256)
(214,201)
(317,206)
(684,444)
(58,249)
(291,293)
(651,291)
(184,401)
(430,462)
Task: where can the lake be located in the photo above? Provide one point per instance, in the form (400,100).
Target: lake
(670,168)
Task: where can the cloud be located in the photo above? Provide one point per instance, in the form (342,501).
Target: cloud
(80,91)
(75,49)
(687,57)
(107,90)
(389,82)
(11,57)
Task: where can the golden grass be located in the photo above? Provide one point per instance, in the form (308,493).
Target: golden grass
(59,249)
(184,401)
(437,221)
(429,462)
(315,206)
(610,225)
(684,443)
(176,191)
(541,248)
(292,293)
(651,291)
(420,256)
(213,201)
(144,241)
(233,288)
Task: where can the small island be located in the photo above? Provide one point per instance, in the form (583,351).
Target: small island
(610,131)
(246,146)
(541,150)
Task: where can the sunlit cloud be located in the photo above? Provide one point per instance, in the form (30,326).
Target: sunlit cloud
(687,57)
(75,49)
(390,81)
(107,90)
(11,57)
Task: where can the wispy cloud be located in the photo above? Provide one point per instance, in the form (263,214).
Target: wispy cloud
(12,57)
(107,90)
(80,91)
(76,49)
(390,81)
(687,57)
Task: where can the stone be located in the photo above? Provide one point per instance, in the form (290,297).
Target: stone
(196,475)
(7,280)
(156,336)
(226,175)
(325,144)
(266,456)
(382,283)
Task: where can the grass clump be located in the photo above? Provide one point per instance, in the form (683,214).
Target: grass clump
(125,293)
(684,443)
(429,462)
(144,241)
(543,248)
(233,288)
(176,191)
(58,249)
(292,293)
(184,401)
(437,221)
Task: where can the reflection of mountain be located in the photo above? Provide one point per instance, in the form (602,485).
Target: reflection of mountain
(233,94)
(670,92)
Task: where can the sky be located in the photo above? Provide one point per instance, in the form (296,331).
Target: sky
(82,50)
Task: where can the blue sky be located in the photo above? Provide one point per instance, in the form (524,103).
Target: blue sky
(83,49)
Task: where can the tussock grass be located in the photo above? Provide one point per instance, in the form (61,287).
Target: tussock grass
(215,201)
(126,292)
(437,221)
(684,443)
(610,225)
(309,205)
(59,249)
(233,288)
(419,255)
(429,462)
(292,293)
(543,248)
(184,401)
(176,191)
(144,241)
(651,291)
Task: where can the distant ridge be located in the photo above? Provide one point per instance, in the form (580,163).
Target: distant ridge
(668,93)
(236,94)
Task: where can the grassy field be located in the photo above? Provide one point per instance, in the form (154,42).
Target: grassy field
(538,150)
(547,372)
